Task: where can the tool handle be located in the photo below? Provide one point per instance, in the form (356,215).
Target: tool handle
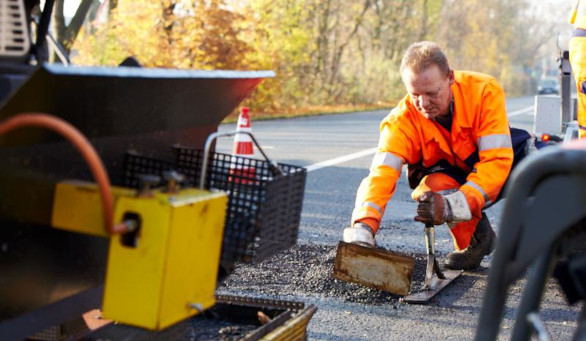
(430,239)
(430,245)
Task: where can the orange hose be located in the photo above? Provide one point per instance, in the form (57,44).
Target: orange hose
(83,146)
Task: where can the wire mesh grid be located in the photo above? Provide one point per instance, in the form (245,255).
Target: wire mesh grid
(264,210)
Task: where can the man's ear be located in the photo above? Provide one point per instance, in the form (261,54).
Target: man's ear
(451,77)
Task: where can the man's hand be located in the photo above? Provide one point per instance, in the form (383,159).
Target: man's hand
(437,209)
(432,209)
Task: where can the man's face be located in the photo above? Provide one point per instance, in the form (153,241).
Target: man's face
(430,90)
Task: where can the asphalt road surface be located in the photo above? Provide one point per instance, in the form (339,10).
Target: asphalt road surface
(337,151)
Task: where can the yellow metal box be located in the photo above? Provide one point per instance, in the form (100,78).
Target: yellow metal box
(167,270)
(77,207)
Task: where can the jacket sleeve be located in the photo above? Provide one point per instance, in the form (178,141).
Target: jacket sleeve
(378,187)
(495,151)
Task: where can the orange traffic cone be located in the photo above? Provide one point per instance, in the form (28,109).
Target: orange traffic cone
(241,168)
(242,142)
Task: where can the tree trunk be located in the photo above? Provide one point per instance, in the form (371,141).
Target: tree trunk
(168,19)
(112,4)
(66,34)
(424,21)
(335,66)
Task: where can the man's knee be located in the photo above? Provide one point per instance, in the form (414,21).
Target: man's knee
(435,182)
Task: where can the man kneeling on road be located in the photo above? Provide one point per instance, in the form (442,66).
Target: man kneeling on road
(452,131)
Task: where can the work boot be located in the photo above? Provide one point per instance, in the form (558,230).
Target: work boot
(360,234)
(482,243)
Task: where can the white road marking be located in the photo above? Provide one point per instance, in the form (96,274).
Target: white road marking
(371,151)
(522,111)
(341,159)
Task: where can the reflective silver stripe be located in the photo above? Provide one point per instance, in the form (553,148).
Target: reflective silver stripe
(387,159)
(369,204)
(479,189)
(494,141)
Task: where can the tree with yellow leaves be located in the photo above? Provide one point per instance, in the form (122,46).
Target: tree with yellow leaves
(166,33)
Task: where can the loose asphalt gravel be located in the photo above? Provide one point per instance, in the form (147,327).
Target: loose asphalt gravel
(348,311)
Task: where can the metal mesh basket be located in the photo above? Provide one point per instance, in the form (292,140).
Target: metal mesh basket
(264,210)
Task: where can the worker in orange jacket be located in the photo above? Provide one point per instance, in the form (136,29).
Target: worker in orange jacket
(578,61)
(452,131)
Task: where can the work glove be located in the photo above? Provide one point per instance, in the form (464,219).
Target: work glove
(436,209)
(359,233)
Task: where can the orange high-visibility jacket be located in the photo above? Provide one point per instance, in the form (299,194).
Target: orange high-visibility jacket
(479,143)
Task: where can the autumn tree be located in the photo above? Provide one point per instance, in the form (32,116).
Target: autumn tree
(166,33)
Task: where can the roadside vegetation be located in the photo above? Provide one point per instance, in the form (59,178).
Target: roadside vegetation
(328,55)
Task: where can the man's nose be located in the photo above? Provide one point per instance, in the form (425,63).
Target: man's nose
(423,101)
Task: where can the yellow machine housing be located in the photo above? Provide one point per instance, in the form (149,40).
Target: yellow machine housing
(165,271)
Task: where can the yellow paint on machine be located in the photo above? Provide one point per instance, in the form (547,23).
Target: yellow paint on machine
(77,207)
(152,279)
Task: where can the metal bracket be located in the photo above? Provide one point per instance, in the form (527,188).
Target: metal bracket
(273,165)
